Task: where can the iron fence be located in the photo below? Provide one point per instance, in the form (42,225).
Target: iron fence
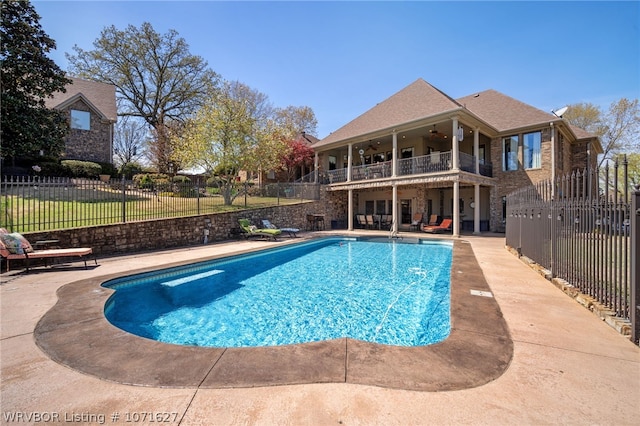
(29,204)
(578,228)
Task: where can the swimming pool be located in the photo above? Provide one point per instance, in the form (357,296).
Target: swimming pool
(392,293)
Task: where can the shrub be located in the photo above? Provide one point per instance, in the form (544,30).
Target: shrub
(108,169)
(54,169)
(181,179)
(82,168)
(129,170)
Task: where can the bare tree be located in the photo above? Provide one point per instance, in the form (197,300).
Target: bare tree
(128,140)
(155,75)
(617,128)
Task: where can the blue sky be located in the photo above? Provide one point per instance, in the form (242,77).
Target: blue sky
(342,58)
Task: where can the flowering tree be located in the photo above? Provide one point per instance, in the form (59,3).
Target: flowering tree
(297,155)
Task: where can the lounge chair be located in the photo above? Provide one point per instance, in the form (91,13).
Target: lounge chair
(415,223)
(444,226)
(249,230)
(293,232)
(433,220)
(14,246)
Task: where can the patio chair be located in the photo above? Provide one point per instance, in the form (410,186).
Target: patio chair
(415,223)
(292,232)
(371,221)
(14,246)
(433,220)
(249,230)
(444,226)
(361,221)
(385,221)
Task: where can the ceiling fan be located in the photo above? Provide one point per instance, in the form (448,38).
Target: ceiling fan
(371,146)
(435,134)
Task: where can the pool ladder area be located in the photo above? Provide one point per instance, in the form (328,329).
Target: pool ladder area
(393,235)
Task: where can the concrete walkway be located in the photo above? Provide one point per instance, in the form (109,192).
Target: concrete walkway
(568,367)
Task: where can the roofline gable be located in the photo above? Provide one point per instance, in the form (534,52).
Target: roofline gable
(79,96)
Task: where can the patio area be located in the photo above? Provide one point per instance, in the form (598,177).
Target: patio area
(567,366)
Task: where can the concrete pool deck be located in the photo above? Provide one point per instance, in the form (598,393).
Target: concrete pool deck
(567,366)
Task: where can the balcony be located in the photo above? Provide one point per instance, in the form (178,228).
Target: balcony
(426,164)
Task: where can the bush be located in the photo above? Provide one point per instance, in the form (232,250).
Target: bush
(82,168)
(181,179)
(108,169)
(54,169)
(129,170)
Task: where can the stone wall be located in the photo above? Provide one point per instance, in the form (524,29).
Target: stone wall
(186,231)
(89,145)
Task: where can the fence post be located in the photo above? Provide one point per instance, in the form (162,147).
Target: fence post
(124,201)
(635,264)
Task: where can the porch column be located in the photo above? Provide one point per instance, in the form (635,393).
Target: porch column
(394,202)
(454,146)
(315,168)
(394,157)
(350,205)
(476,210)
(476,148)
(349,163)
(456,208)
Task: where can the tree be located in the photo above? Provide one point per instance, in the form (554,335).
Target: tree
(28,77)
(618,128)
(298,154)
(296,120)
(155,75)
(128,140)
(233,131)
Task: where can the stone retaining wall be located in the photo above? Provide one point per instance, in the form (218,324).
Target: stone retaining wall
(184,231)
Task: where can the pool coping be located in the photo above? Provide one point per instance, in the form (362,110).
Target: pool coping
(479,349)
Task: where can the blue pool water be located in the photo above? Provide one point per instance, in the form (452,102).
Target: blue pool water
(393,293)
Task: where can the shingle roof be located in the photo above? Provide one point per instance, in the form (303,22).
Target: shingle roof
(416,101)
(503,112)
(101,95)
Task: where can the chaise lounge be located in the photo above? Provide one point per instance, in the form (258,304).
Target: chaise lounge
(14,246)
(293,232)
(444,226)
(249,230)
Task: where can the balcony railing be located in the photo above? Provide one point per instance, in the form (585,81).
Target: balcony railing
(432,163)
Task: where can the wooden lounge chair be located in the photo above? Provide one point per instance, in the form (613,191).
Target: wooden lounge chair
(249,230)
(16,247)
(444,226)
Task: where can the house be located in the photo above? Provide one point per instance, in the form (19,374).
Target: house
(92,113)
(422,152)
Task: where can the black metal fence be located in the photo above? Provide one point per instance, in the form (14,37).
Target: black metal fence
(579,229)
(29,203)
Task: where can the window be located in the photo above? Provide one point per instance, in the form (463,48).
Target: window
(531,147)
(378,158)
(80,120)
(510,153)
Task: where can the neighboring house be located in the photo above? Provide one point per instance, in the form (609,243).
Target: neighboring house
(421,151)
(92,113)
